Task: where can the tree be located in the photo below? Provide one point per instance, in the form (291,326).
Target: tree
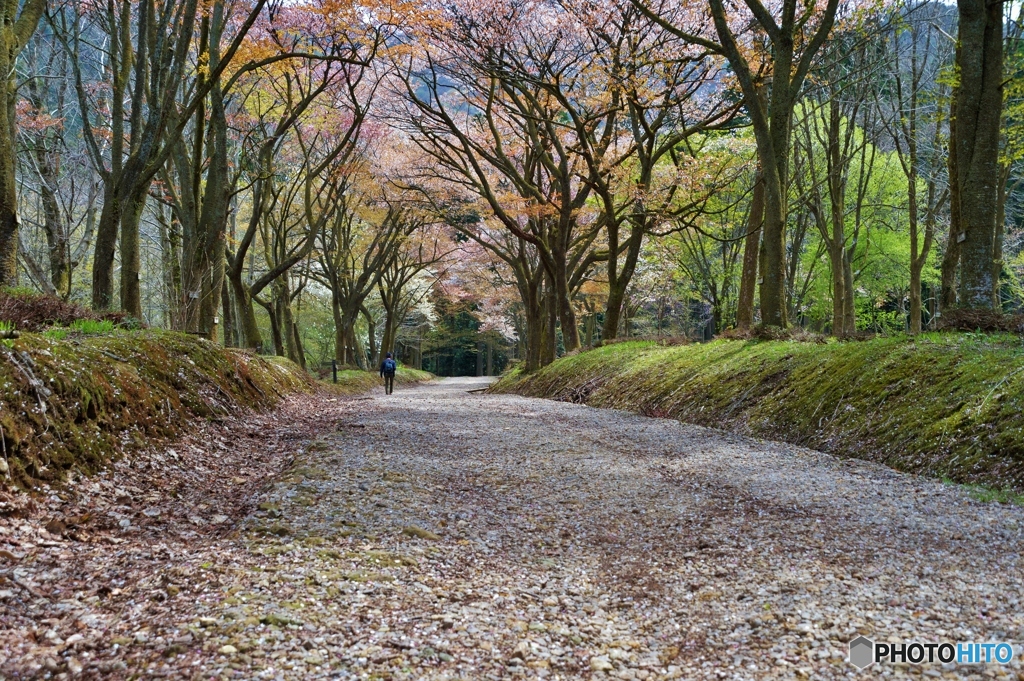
(147,63)
(751,251)
(975,131)
(58,188)
(911,106)
(665,90)
(834,125)
(795,39)
(506,123)
(15,33)
(333,86)
(426,248)
(358,248)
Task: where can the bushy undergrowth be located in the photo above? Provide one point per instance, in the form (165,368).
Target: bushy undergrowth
(949,405)
(30,311)
(981,320)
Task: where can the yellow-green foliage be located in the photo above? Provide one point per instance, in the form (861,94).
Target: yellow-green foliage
(949,405)
(76,402)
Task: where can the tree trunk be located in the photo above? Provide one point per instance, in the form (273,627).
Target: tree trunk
(297,341)
(275,328)
(915,297)
(837,256)
(618,282)
(57,242)
(390,302)
(215,202)
(350,350)
(339,332)
(549,349)
(997,255)
(849,313)
(170,262)
(230,333)
(951,257)
(131,289)
(249,336)
(534,316)
(773,145)
(387,341)
(106,247)
(358,351)
(773,276)
(286,318)
(566,313)
(213,286)
(751,252)
(979,101)
(371,336)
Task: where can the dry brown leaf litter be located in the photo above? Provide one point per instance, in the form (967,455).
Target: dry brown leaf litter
(439,534)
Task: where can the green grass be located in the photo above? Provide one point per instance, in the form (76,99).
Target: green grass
(990,494)
(85,327)
(7,327)
(92,326)
(945,405)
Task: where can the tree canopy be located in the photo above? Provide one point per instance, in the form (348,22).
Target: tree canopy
(493,180)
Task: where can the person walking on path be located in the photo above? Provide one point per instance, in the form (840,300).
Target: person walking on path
(387,372)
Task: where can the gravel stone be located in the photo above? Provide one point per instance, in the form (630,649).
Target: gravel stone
(472,536)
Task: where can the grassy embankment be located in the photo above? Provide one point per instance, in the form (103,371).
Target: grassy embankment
(944,405)
(73,401)
(354,381)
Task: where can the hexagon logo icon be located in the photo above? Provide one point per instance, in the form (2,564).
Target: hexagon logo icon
(862,652)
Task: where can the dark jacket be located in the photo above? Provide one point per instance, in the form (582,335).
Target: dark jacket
(383,372)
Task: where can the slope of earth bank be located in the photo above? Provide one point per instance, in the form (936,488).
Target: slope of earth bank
(74,403)
(942,405)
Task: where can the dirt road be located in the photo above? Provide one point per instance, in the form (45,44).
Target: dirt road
(439,533)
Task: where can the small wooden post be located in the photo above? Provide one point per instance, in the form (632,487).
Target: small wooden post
(334,369)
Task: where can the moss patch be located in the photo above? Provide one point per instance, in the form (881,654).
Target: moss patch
(945,405)
(76,402)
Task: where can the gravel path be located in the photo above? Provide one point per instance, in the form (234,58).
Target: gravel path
(440,534)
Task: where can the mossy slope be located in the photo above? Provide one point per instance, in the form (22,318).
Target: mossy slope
(355,381)
(76,402)
(949,405)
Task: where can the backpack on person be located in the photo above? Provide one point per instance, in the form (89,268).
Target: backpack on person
(389,367)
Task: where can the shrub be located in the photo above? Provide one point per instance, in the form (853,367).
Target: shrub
(980,320)
(29,311)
